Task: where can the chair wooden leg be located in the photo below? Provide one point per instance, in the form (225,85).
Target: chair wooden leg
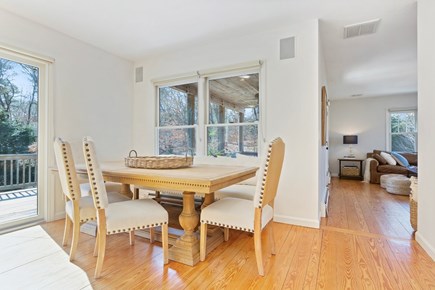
(75,239)
(131,238)
(101,253)
(226,234)
(67,230)
(96,246)
(136,193)
(203,241)
(258,252)
(272,239)
(165,243)
(152,235)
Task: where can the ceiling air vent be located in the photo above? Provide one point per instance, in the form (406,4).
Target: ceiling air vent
(361,28)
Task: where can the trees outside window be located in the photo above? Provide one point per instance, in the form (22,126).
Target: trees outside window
(403,130)
(18,107)
(178,115)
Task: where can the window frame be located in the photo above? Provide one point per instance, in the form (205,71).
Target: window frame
(46,201)
(157,120)
(258,123)
(388,125)
(202,80)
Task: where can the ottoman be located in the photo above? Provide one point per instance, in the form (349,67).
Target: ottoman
(385,177)
(398,185)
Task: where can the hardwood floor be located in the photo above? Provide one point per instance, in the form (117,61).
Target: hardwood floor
(365,243)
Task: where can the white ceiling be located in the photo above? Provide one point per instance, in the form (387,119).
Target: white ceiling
(384,63)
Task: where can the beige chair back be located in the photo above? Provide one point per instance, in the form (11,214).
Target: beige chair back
(269,174)
(95,175)
(67,169)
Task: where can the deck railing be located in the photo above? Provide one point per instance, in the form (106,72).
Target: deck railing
(18,171)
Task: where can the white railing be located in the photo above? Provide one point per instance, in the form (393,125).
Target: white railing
(18,171)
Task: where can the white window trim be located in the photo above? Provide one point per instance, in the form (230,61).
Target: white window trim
(388,123)
(46,196)
(202,78)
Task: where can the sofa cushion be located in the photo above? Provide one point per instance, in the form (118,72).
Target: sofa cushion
(380,159)
(411,157)
(390,160)
(400,159)
(392,169)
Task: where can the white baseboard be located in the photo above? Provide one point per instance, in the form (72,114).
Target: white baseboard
(297,221)
(59,216)
(425,245)
(334,174)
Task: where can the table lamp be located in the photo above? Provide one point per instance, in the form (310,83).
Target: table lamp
(350,139)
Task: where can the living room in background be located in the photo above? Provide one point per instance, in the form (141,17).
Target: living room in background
(402,130)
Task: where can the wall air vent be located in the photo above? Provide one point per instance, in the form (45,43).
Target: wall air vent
(362,28)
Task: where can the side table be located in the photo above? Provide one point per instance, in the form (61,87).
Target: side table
(350,168)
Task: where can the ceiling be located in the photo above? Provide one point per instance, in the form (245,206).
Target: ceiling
(384,63)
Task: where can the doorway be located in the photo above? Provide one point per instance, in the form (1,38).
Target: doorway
(22,83)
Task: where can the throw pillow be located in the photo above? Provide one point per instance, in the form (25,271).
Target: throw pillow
(390,160)
(380,159)
(400,159)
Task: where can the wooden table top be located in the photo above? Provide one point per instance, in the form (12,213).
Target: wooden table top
(201,178)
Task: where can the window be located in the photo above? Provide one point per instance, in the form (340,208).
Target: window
(217,115)
(177,120)
(403,130)
(233,115)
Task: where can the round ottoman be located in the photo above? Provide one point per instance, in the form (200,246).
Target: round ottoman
(385,177)
(398,185)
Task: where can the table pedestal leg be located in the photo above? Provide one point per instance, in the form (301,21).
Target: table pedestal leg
(125,190)
(186,248)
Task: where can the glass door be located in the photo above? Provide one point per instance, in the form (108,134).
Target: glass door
(19,127)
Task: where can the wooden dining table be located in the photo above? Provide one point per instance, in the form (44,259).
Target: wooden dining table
(201,178)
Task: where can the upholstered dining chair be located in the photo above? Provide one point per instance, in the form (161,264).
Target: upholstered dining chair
(79,207)
(120,217)
(248,215)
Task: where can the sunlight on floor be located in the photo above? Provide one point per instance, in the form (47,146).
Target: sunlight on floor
(31,259)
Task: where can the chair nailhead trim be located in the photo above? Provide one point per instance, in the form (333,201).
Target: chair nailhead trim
(135,228)
(227,226)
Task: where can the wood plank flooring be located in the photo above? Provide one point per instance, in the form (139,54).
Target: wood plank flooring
(365,243)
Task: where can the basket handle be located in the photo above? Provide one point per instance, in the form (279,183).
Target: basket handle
(131,151)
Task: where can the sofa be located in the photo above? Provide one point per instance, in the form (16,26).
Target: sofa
(380,166)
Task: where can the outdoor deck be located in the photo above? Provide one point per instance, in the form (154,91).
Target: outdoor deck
(18,204)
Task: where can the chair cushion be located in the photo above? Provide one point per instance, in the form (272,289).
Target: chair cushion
(234,213)
(237,190)
(133,215)
(86,207)
(85,188)
(116,197)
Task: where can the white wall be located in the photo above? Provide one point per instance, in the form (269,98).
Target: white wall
(426,104)
(292,105)
(365,117)
(92,90)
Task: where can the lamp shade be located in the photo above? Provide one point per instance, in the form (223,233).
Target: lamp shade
(350,139)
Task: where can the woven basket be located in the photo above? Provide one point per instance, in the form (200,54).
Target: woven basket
(157,162)
(413,207)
